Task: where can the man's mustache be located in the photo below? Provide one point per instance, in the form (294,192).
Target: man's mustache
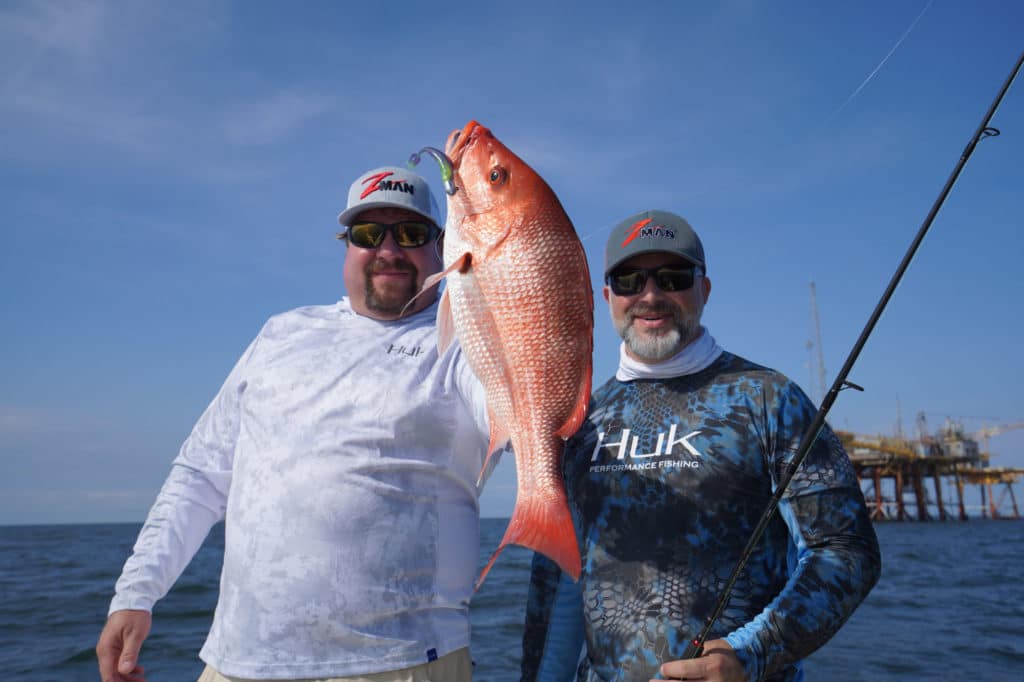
(383,264)
(660,308)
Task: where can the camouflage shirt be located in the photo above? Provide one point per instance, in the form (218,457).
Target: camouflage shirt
(667,479)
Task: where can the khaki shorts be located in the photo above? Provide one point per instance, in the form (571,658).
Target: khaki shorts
(454,667)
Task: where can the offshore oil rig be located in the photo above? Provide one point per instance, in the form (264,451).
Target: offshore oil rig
(896,472)
(924,478)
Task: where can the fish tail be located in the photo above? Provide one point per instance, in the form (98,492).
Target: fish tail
(545,526)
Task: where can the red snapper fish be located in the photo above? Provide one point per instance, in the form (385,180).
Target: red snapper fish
(519,300)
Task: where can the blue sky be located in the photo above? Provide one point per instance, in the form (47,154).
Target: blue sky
(171,173)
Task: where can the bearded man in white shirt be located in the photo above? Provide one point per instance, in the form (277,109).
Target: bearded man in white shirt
(344,455)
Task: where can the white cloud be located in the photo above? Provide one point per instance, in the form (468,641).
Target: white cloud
(73,28)
(94,82)
(59,435)
(18,425)
(74,466)
(56,504)
(107,119)
(271,119)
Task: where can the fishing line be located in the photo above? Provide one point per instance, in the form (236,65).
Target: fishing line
(839,109)
(880,64)
(696,646)
(594,233)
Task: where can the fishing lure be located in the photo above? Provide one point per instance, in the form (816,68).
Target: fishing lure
(442,160)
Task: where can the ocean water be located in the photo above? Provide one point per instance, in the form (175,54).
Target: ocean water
(949,606)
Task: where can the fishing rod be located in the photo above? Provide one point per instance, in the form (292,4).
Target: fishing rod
(695,647)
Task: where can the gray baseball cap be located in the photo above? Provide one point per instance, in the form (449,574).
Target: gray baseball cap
(390,187)
(653,231)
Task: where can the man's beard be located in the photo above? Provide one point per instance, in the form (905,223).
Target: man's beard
(390,299)
(650,345)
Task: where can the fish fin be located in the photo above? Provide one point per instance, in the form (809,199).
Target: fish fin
(461,264)
(545,526)
(445,323)
(499,437)
(499,434)
(490,464)
(579,412)
(429,282)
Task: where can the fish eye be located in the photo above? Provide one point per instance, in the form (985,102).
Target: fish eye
(498,175)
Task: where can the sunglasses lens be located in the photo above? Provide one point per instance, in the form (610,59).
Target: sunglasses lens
(666,278)
(673,279)
(628,282)
(408,235)
(366,235)
(411,235)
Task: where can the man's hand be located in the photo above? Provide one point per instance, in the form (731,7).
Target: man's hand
(119,645)
(718,664)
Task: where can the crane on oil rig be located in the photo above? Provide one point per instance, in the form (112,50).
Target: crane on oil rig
(953,439)
(987,432)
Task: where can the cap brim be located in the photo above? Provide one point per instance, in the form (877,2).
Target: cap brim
(641,253)
(346,216)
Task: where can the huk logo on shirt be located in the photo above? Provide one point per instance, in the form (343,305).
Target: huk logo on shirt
(644,230)
(402,350)
(671,442)
(377,182)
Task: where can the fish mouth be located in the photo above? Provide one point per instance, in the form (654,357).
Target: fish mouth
(458,141)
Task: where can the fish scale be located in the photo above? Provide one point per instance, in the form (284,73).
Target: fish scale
(518,299)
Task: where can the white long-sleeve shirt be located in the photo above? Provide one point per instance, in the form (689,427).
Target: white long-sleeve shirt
(343,454)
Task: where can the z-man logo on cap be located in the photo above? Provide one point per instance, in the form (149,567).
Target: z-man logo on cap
(377,182)
(641,229)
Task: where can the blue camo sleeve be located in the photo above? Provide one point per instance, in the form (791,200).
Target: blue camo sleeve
(834,559)
(553,634)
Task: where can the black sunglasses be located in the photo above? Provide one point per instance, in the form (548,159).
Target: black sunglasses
(631,281)
(408,234)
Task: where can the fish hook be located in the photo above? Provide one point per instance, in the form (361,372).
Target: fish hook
(442,160)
